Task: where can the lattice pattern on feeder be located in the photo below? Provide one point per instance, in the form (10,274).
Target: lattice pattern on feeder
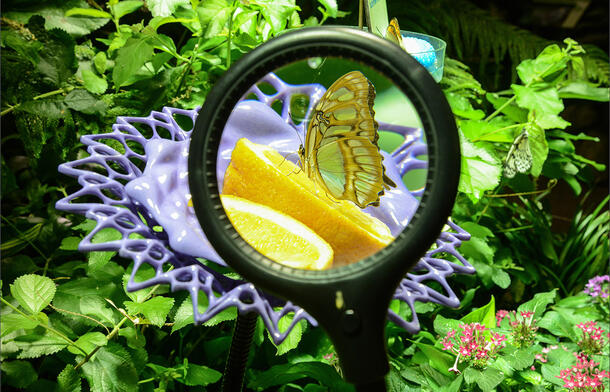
(120,160)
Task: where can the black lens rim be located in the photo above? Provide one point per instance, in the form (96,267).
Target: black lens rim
(396,65)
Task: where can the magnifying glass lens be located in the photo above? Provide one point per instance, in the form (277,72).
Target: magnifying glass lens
(322,163)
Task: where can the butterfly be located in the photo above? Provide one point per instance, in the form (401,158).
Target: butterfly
(393,33)
(341,152)
(519,157)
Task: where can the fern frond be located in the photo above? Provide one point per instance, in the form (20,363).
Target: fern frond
(597,65)
(457,77)
(585,250)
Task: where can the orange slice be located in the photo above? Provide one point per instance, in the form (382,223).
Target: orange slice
(260,174)
(276,235)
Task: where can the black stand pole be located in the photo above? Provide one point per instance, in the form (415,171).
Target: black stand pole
(235,368)
(375,386)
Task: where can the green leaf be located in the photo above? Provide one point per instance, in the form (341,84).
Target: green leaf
(33,292)
(485,315)
(88,342)
(471,375)
(155,309)
(520,358)
(285,373)
(293,338)
(69,380)
(330,6)
(213,16)
(201,375)
(479,130)
(490,378)
(86,296)
(130,59)
(443,325)
(50,108)
(36,345)
(97,308)
(584,90)
(135,339)
(92,12)
(225,315)
(100,62)
(164,7)
(111,370)
(314,388)
(551,373)
(18,374)
(125,7)
(461,106)
(539,303)
(183,315)
(556,324)
(70,243)
(510,110)
(531,376)
(98,260)
(501,278)
(94,83)
(538,147)
(477,248)
(438,359)
(551,60)
(561,357)
(14,322)
(454,386)
(564,146)
(57,60)
(55,16)
(277,13)
(487,380)
(545,100)
(480,170)
(82,101)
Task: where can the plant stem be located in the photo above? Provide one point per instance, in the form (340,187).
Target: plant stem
(496,131)
(516,228)
(550,186)
(50,329)
(114,331)
(188,67)
(511,99)
(79,315)
(559,282)
(47,259)
(229,35)
(499,110)
(41,96)
(96,349)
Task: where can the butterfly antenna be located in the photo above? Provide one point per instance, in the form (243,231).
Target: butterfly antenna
(286,158)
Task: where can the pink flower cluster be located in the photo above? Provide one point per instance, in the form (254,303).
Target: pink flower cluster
(584,376)
(470,344)
(523,327)
(594,338)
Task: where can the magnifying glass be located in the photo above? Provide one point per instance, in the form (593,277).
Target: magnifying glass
(296,188)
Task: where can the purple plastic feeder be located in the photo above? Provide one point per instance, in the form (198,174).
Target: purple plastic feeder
(145,185)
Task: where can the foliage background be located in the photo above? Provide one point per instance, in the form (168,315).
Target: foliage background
(71,67)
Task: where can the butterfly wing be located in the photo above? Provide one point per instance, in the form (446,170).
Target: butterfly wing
(393,33)
(519,157)
(341,151)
